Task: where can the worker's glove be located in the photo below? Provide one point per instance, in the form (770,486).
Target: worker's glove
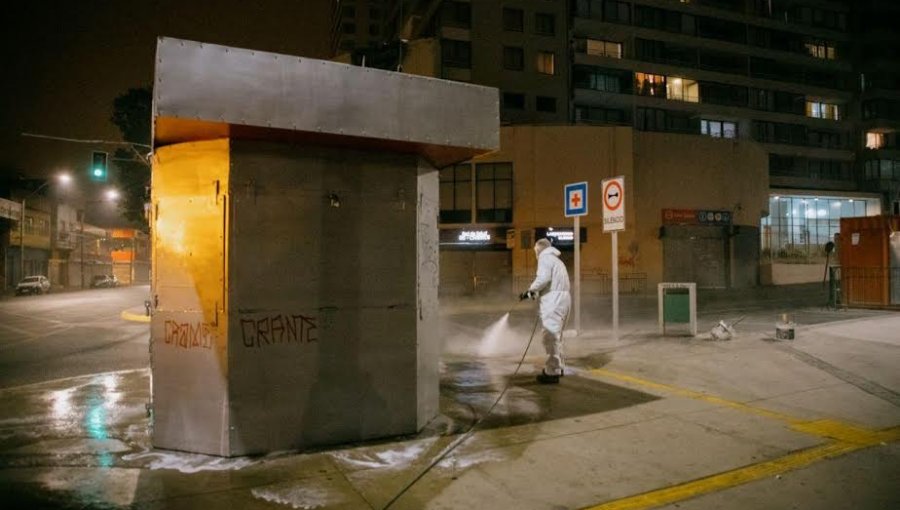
(528,294)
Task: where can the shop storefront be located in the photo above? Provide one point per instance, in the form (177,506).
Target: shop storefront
(706,247)
(474,261)
(563,239)
(798,226)
(794,235)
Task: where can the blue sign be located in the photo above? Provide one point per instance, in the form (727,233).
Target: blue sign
(576,199)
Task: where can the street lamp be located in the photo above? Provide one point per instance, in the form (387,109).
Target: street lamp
(63,178)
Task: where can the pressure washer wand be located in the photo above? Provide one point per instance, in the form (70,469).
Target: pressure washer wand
(463,438)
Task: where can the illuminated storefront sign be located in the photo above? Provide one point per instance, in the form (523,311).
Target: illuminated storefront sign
(477,236)
(474,238)
(561,237)
(695,217)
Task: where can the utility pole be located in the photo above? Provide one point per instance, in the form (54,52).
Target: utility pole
(81,217)
(64,178)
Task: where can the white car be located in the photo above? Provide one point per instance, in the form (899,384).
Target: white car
(33,285)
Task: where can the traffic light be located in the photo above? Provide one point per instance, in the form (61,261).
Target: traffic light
(99,166)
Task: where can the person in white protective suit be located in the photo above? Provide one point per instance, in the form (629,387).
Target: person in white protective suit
(552,285)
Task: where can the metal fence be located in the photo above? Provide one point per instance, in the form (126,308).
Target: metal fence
(598,283)
(864,286)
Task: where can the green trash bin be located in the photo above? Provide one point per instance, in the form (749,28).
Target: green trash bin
(677,306)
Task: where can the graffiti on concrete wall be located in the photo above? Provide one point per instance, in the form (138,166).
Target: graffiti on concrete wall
(278,329)
(189,335)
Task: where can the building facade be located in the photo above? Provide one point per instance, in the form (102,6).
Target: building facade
(814,83)
(59,245)
(494,207)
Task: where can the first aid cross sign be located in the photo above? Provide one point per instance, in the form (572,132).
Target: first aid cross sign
(576,202)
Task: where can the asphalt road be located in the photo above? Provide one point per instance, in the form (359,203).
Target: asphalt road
(71,333)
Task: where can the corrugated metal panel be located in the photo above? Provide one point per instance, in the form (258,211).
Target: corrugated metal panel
(866,273)
(205,91)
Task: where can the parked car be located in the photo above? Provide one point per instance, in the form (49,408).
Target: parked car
(33,285)
(104,281)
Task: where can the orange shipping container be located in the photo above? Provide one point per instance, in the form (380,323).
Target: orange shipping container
(870,260)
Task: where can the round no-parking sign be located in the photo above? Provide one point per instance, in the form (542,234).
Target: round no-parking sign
(613,203)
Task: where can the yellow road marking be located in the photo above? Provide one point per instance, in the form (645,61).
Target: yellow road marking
(133,317)
(696,395)
(846,438)
(728,479)
(845,433)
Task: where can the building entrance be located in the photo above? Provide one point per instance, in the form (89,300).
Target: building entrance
(696,254)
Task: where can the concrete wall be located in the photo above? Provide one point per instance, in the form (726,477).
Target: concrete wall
(283,321)
(189,327)
(343,283)
(788,274)
(674,171)
(661,171)
(544,160)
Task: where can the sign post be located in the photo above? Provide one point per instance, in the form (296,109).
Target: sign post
(614,221)
(576,205)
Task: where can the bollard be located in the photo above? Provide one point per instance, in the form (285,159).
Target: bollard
(147,307)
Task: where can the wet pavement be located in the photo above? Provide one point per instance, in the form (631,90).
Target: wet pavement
(638,422)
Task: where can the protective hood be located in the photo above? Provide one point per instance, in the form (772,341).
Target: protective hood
(551,251)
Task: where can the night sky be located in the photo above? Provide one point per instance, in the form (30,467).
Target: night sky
(65,61)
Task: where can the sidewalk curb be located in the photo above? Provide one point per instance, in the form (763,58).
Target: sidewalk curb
(134,317)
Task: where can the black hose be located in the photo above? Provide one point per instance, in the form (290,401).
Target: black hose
(463,438)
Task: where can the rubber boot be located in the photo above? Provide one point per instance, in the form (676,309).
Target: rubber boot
(545,378)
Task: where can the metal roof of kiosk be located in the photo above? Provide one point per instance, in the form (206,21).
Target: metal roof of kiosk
(206,91)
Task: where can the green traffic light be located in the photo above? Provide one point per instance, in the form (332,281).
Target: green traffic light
(98,172)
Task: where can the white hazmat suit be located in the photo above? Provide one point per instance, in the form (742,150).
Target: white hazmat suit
(552,285)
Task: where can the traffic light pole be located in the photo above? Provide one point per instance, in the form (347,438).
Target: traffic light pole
(22,242)
(82,247)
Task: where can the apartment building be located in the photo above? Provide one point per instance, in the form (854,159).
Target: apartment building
(877,60)
(357,25)
(812,82)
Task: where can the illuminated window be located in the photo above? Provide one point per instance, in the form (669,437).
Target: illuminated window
(603,48)
(820,49)
(546,62)
(820,110)
(650,84)
(718,128)
(798,227)
(681,89)
(595,78)
(874,140)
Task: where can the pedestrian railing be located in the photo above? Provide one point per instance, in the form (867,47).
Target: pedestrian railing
(864,286)
(597,283)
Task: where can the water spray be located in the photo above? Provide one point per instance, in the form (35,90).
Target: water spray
(472,428)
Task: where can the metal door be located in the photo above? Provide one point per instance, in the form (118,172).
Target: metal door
(695,254)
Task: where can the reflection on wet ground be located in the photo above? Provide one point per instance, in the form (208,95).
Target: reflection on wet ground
(85,442)
(469,388)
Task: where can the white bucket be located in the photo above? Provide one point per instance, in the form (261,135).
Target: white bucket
(784,328)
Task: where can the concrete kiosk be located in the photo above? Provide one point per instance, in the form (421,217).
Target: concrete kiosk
(295,246)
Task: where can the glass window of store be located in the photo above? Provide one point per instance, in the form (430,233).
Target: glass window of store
(494,192)
(456,194)
(798,226)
